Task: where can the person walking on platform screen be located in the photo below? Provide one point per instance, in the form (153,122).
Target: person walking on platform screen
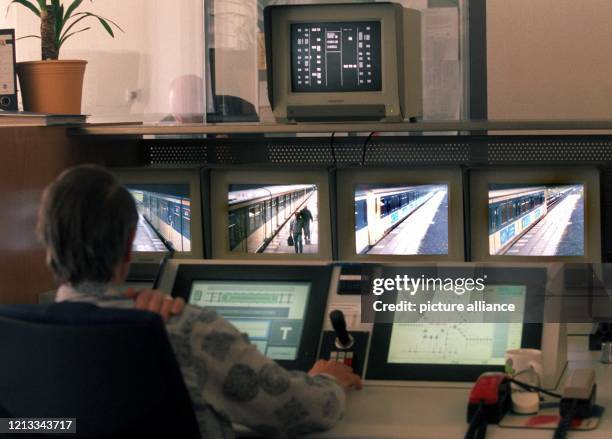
(87,222)
(296,227)
(306,219)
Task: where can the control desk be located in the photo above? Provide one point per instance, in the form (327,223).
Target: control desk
(409,391)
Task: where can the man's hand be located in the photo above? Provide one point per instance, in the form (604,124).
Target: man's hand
(343,374)
(156,301)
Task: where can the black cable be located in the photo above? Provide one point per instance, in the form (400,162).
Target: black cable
(333,147)
(566,421)
(162,266)
(478,424)
(535,388)
(365,145)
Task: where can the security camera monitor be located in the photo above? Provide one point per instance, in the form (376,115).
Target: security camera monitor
(164,217)
(536,220)
(392,219)
(391,215)
(273,218)
(524,214)
(168,201)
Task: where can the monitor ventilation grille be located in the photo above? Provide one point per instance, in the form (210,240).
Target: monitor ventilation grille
(383,151)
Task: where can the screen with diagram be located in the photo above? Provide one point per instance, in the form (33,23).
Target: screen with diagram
(536,220)
(271,313)
(336,56)
(401,219)
(164,217)
(469,341)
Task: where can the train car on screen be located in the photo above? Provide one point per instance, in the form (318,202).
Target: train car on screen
(378,211)
(256,215)
(168,215)
(513,212)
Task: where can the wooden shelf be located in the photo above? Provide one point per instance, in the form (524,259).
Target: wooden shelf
(462,127)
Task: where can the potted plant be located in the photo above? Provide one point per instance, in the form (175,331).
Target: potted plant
(52,85)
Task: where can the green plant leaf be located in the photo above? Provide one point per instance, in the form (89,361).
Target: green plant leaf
(28,36)
(103,20)
(75,4)
(65,37)
(74,23)
(25,3)
(42,4)
(106,26)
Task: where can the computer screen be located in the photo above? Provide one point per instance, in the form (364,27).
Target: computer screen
(164,217)
(394,219)
(336,56)
(536,220)
(273,218)
(170,217)
(391,215)
(271,313)
(343,62)
(469,341)
(459,344)
(524,214)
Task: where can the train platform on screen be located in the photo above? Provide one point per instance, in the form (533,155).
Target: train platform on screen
(423,232)
(146,239)
(560,232)
(278,244)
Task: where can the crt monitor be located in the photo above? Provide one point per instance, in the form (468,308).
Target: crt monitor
(343,62)
(545,215)
(280,307)
(462,347)
(391,215)
(271,214)
(169,212)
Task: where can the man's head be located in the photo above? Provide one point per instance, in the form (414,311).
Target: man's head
(87,223)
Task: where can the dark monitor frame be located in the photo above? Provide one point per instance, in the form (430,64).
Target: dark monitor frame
(145,265)
(482,178)
(348,179)
(326,105)
(222,178)
(319,277)
(379,369)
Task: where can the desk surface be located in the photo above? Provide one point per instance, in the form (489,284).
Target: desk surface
(417,412)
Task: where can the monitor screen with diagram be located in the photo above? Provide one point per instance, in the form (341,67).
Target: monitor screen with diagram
(432,346)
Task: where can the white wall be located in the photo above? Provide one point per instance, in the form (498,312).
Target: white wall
(549,59)
(163,40)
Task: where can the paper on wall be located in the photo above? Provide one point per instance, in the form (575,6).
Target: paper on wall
(442,90)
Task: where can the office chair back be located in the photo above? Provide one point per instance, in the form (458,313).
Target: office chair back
(113,370)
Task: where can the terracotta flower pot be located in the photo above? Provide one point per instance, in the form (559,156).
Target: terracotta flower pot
(52,86)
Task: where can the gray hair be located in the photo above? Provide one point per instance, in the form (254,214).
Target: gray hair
(86,222)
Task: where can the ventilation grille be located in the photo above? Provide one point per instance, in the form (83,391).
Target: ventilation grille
(561,150)
(177,153)
(311,152)
(381,151)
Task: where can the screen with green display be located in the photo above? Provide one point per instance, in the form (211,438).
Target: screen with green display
(271,313)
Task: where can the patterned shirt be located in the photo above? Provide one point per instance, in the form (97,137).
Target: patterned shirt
(230,381)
